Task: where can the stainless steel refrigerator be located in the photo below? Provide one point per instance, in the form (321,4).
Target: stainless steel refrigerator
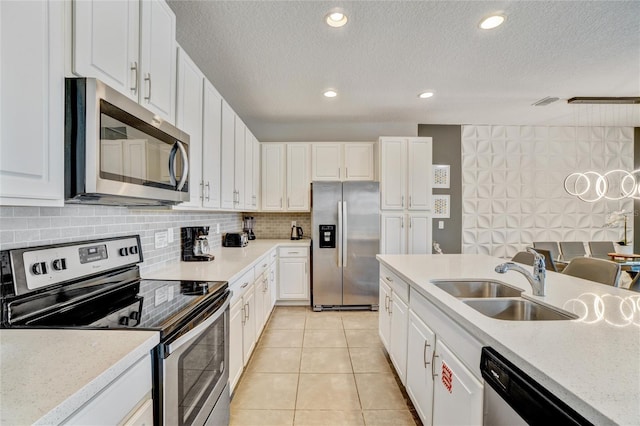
(345,220)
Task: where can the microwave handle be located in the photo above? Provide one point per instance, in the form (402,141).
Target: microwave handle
(172,165)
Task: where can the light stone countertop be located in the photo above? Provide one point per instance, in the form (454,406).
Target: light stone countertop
(592,363)
(228,265)
(48,374)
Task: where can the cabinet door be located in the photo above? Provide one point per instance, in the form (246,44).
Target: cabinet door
(211,145)
(32,108)
(393,233)
(358,161)
(421,343)
(419,173)
(227,159)
(239,163)
(259,288)
(455,387)
(189,118)
(236,321)
(248,170)
(293,279)
(249,326)
(273,286)
(273,177)
(399,313)
(326,161)
(419,241)
(158,58)
(298,178)
(106,39)
(384,320)
(393,154)
(256,174)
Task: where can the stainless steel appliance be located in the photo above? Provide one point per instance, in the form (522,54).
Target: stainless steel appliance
(119,153)
(235,239)
(513,398)
(346,238)
(96,284)
(249,223)
(195,244)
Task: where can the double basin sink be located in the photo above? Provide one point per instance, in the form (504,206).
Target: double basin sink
(500,301)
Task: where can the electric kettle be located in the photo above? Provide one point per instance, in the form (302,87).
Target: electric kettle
(296,233)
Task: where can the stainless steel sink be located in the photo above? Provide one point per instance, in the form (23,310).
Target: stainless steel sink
(477,288)
(517,309)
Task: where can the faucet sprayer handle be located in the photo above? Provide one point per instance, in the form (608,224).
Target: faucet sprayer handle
(539,267)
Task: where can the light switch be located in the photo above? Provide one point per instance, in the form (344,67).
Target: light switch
(441,224)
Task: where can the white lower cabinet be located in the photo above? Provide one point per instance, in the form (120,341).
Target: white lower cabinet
(125,400)
(249,324)
(236,319)
(421,344)
(242,325)
(435,358)
(293,278)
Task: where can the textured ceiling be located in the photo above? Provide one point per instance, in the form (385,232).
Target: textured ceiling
(272,60)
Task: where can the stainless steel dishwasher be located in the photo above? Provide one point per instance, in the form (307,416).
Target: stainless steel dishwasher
(513,398)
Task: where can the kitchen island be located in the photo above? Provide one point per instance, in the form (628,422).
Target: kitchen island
(592,363)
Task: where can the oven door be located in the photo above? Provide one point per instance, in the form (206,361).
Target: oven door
(195,371)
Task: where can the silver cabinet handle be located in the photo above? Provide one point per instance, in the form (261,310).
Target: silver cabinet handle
(134,67)
(402,222)
(148,79)
(288,202)
(424,353)
(208,190)
(264,265)
(280,202)
(346,172)
(244,314)
(386,302)
(247,310)
(402,202)
(390,305)
(433,364)
(410,222)
(244,285)
(202,190)
(293,252)
(409,200)
(388,279)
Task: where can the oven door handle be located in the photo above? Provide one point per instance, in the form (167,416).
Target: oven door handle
(196,331)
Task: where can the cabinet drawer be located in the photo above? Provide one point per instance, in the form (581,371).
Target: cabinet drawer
(398,286)
(293,251)
(241,285)
(261,266)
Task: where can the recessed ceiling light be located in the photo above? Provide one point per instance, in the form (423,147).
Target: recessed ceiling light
(336,19)
(425,95)
(492,22)
(330,94)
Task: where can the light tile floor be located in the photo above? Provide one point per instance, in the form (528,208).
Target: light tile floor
(320,368)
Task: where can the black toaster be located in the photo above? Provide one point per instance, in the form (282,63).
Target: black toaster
(235,239)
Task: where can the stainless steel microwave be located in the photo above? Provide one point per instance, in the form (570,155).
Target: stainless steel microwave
(119,153)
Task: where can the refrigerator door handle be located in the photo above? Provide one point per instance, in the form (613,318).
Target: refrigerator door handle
(345,235)
(339,239)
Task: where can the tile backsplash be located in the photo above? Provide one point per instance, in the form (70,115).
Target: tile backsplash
(33,226)
(278,225)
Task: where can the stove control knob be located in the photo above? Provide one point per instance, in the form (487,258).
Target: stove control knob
(59,264)
(39,268)
(123,321)
(133,249)
(124,251)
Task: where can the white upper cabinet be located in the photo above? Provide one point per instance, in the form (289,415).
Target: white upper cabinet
(32,108)
(405,173)
(211,146)
(273,176)
(227,159)
(106,43)
(342,161)
(130,45)
(189,119)
(298,178)
(238,200)
(256,174)
(286,177)
(250,170)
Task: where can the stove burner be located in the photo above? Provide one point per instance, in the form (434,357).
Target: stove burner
(193,288)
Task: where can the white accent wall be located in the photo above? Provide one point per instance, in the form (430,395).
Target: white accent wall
(512,185)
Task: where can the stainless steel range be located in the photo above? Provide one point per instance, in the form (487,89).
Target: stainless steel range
(97,284)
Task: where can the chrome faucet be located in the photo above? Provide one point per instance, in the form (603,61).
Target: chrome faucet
(537,279)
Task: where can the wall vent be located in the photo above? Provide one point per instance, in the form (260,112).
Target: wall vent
(545,101)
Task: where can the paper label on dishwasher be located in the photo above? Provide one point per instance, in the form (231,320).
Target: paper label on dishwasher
(447,377)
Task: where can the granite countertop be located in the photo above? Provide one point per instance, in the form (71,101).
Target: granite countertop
(592,363)
(228,265)
(48,374)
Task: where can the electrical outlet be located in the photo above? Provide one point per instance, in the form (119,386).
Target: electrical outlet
(441,224)
(170,234)
(161,238)
(217,228)
(293,223)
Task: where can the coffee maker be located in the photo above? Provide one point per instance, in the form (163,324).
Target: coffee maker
(195,245)
(247,226)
